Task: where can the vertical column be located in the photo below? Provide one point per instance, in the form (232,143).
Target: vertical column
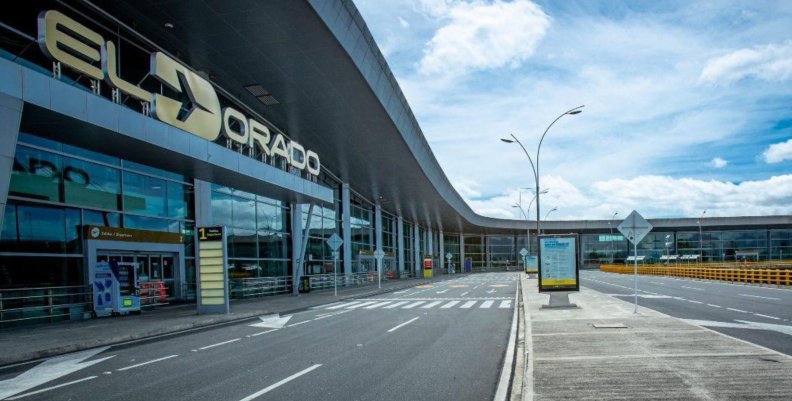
(346,232)
(441,246)
(461,252)
(203,203)
(378,236)
(417,266)
(296,242)
(10,117)
(400,242)
(430,242)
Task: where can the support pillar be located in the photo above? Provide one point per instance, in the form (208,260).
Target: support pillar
(346,232)
(10,118)
(417,267)
(441,246)
(400,243)
(461,252)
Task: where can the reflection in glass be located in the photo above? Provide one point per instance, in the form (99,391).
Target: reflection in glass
(90,184)
(143,194)
(37,174)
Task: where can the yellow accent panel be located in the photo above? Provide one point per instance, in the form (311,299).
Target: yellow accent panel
(210,253)
(558,281)
(211,277)
(212,293)
(210,245)
(210,261)
(211,269)
(212,285)
(212,301)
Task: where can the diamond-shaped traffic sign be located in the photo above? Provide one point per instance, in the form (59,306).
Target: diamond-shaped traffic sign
(379,254)
(634,227)
(334,242)
(523,252)
(449,256)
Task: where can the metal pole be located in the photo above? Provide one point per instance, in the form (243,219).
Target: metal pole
(335,273)
(379,272)
(635,271)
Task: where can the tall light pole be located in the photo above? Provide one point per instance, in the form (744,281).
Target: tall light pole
(535,167)
(525,214)
(550,211)
(610,224)
(701,237)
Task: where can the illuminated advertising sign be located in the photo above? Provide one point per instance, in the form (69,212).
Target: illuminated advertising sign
(65,40)
(558,263)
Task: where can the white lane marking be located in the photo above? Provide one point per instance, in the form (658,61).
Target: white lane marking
(486,304)
(219,344)
(396,305)
(694,302)
(412,305)
(737,310)
(280,383)
(714,306)
(298,323)
(758,296)
(657,282)
(450,304)
(464,293)
(326,306)
(50,370)
(52,388)
(769,317)
(692,288)
(360,305)
(468,305)
(262,332)
(146,363)
(443,292)
(432,304)
(505,304)
(402,325)
(377,305)
(344,305)
(401,292)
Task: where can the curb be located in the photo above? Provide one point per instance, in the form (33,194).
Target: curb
(155,334)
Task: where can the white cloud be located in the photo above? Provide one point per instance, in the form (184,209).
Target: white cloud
(771,62)
(467,188)
(778,152)
(653,196)
(480,36)
(718,162)
(404,24)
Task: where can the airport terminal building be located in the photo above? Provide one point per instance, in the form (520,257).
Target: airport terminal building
(125,125)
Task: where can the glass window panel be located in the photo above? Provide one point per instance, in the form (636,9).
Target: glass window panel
(270,217)
(180,200)
(143,194)
(41,271)
(242,243)
(41,229)
(8,237)
(90,155)
(90,184)
(221,209)
(73,226)
(37,174)
(273,245)
(153,171)
(243,213)
(106,219)
(39,141)
(149,223)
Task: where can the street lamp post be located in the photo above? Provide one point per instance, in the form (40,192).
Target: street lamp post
(525,214)
(535,167)
(701,237)
(550,211)
(610,225)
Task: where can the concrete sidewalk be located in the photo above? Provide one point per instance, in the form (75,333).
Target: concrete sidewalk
(27,343)
(655,357)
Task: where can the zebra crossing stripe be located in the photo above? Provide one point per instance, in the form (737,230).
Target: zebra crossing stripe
(468,305)
(412,305)
(486,304)
(396,305)
(432,304)
(450,304)
(358,306)
(505,304)
(343,305)
(377,305)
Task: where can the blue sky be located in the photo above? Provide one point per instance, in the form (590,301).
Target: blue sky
(688,104)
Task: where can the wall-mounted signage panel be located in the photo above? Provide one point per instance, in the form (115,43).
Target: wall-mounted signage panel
(558,263)
(212,275)
(131,235)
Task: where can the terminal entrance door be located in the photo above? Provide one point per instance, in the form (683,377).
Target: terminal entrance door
(155,272)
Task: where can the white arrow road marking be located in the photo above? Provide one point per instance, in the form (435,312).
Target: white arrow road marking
(49,370)
(272,321)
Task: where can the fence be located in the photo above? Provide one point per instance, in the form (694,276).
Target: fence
(770,274)
(28,305)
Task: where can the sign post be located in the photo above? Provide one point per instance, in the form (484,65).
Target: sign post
(558,268)
(635,228)
(334,242)
(448,257)
(379,254)
(212,272)
(524,253)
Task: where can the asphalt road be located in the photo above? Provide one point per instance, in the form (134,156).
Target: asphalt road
(444,341)
(760,315)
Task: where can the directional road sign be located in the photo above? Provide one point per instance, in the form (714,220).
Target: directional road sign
(523,252)
(634,227)
(334,242)
(379,254)
(449,256)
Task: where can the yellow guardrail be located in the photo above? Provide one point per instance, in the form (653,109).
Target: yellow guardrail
(757,273)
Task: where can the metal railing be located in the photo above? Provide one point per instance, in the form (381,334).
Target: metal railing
(260,286)
(27,305)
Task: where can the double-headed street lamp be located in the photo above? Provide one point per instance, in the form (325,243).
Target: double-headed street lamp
(701,237)
(525,214)
(535,167)
(550,211)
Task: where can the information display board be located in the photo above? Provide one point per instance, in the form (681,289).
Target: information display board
(558,263)
(212,274)
(531,264)
(427,265)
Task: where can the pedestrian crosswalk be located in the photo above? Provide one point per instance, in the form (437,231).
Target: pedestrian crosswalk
(497,303)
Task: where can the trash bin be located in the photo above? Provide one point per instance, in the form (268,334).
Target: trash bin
(305,284)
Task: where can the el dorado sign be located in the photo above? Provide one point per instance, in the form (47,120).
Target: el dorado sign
(65,40)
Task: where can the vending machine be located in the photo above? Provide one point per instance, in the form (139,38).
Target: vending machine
(115,288)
